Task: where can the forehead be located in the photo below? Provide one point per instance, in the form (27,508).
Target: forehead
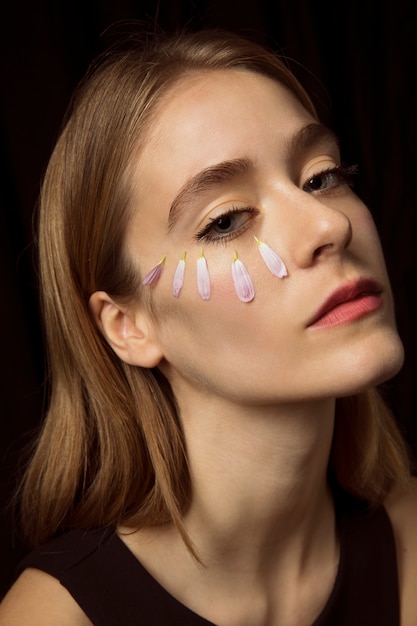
(211,103)
(213,116)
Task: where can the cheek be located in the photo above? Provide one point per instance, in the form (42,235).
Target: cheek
(201,294)
(218,273)
(197,281)
(223,327)
(235,290)
(223,316)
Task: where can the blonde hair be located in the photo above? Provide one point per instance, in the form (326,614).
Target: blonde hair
(111,448)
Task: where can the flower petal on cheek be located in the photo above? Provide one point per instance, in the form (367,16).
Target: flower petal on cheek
(203,278)
(242,281)
(153,276)
(272,260)
(178,279)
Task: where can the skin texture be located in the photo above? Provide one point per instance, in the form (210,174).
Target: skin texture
(326,239)
(253,381)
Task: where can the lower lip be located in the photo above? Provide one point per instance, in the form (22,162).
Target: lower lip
(349,311)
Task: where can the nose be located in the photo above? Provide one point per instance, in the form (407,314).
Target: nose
(320,231)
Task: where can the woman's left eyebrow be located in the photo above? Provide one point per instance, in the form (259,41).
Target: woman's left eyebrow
(310,136)
(204,182)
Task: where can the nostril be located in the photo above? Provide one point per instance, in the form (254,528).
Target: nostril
(321,249)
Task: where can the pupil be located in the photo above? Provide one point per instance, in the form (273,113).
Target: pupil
(224,223)
(315,182)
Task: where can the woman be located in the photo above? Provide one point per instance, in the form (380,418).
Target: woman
(218,314)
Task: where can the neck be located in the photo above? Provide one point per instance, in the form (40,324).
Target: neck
(261,516)
(259,478)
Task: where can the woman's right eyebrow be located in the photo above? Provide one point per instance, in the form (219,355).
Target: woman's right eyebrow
(204,182)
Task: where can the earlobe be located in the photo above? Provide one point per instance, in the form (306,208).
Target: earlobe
(130,336)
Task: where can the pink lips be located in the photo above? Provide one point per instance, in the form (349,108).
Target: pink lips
(348,303)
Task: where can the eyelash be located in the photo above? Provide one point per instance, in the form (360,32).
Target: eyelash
(204,235)
(342,176)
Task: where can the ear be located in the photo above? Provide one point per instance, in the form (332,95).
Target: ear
(129,335)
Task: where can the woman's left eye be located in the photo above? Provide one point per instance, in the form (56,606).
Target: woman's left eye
(227,226)
(330,179)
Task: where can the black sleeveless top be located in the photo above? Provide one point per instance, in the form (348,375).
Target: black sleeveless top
(114,589)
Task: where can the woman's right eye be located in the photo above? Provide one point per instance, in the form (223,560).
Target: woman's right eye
(227,226)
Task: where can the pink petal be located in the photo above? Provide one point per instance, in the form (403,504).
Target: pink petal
(178,279)
(242,281)
(203,278)
(272,260)
(153,276)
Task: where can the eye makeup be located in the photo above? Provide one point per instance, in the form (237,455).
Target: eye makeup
(241,278)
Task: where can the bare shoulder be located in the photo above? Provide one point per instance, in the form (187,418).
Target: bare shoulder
(38,599)
(402,510)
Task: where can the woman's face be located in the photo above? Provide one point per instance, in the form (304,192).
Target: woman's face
(280,185)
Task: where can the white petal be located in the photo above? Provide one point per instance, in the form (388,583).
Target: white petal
(272,260)
(242,281)
(178,279)
(203,278)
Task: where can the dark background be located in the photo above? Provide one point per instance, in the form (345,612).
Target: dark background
(358,61)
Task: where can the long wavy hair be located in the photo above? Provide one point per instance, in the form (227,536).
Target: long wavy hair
(111,449)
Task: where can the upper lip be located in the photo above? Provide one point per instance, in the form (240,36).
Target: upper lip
(345,293)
